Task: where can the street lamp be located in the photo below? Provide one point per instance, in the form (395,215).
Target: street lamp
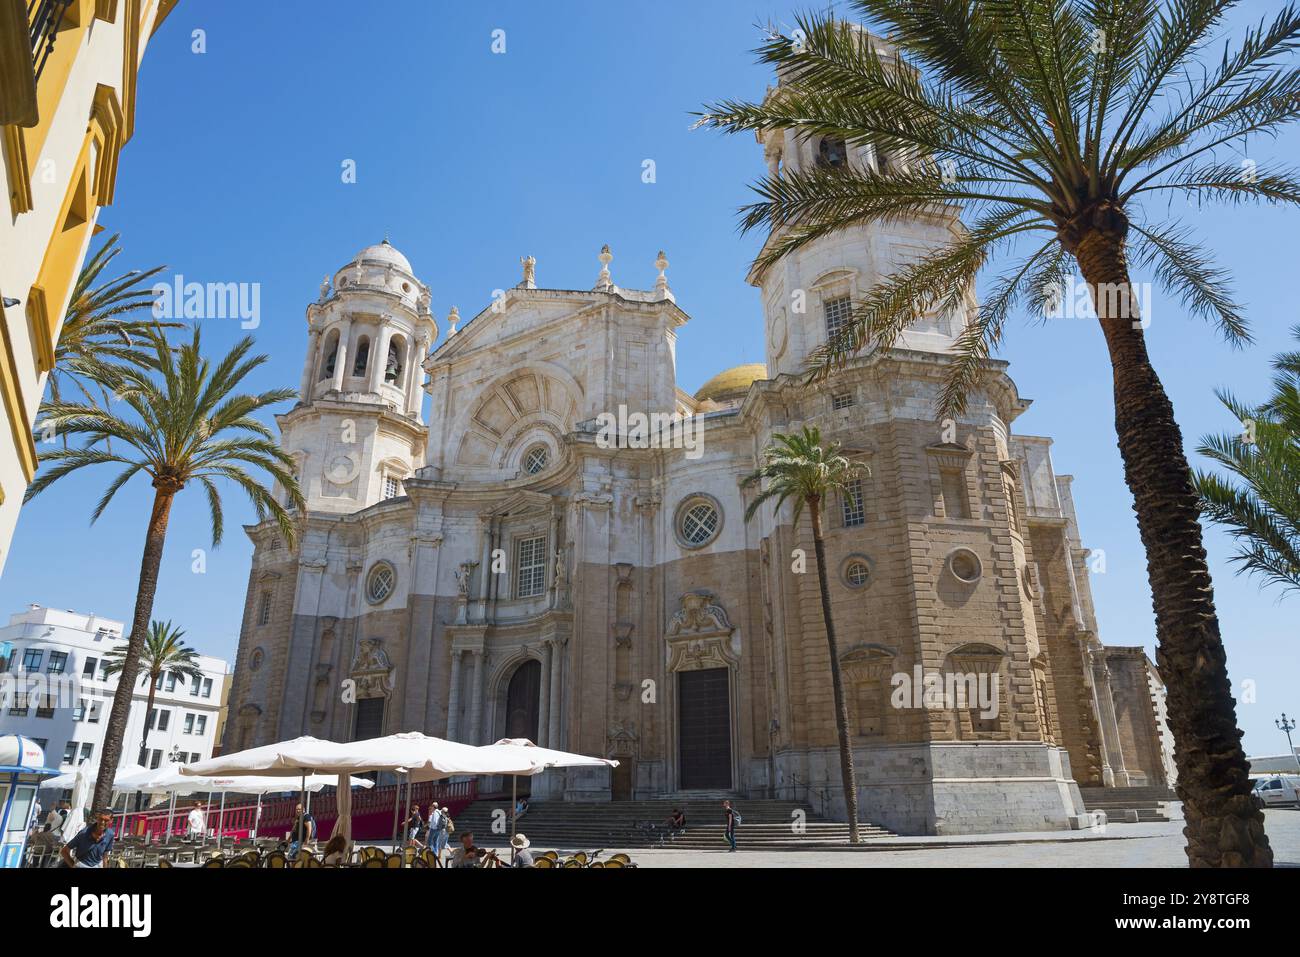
(1288,726)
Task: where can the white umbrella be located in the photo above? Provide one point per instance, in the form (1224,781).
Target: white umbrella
(516,750)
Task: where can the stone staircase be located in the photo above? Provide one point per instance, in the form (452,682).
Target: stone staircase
(568,826)
(1132,805)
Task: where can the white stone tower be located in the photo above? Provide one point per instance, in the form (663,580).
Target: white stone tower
(806,294)
(358,430)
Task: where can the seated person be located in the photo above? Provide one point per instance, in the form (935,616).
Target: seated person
(676,821)
(521,807)
(336,851)
(523,857)
(467,855)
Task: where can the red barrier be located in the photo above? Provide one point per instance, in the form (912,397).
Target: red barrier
(372,812)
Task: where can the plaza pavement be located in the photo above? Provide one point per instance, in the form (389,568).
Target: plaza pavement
(1121,845)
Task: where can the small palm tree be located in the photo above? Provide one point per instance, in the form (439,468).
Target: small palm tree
(184,422)
(801,468)
(164,653)
(1263,511)
(1058,125)
(102,327)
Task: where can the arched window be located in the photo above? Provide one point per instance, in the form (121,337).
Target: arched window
(832,153)
(393,361)
(363,355)
(536,459)
(331,354)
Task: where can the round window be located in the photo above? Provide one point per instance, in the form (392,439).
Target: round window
(536,459)
(857,573)
(698,521)
(380,582)
(965,565)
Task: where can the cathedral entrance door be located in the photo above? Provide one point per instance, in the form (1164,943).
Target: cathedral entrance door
(704,729)
(523,704)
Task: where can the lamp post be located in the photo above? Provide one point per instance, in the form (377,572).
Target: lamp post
(1288,726)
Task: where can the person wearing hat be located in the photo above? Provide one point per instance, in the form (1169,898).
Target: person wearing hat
(521,857)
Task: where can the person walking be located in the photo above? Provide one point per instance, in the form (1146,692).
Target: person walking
(437,829)
(732,819)
(196,827)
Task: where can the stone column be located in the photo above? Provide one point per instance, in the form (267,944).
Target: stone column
(313,363)
(341,357)
(453,699)
(1109,723)
(486,524)
(476,700)
(379,358)
(414,376)
(544,698)
(557,671)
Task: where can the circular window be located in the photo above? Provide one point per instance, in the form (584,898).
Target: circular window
(536,459)
(406,287)
(380,582)
(699,519)
(965,565)
(857,572)
(255,659)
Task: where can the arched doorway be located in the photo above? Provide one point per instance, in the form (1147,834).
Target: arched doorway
(523,703)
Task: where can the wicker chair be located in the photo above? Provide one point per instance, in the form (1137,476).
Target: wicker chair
(394,861)
(276,859)
(610,863)
(374,862)
(621,858)
(164,862)
(429,858)
(214,862)
(369,853)
(545,863)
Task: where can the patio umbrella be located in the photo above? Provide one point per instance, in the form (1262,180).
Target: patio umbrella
(516,750)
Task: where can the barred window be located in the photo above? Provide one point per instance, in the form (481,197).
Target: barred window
(841,401)
(392,487)
(530,567)
(380,582)
(837,312)
(536,459)
(854,504)
(264,609)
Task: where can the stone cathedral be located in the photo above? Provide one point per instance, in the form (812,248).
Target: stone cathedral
(500,568)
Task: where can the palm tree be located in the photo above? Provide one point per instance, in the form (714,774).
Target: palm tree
(185,423)
(164,653)
(801,468)
(101,328)
(1052,122)
(1263,512)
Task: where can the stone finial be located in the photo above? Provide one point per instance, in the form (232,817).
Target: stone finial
(661,284)
(452,319)
(324,289)
(530,272)
(605,283)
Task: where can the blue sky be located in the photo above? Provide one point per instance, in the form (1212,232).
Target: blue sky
(469,160)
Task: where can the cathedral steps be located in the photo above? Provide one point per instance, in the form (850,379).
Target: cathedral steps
(1130,805)
(768,824)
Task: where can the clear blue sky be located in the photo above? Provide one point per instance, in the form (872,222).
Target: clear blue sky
(470,160)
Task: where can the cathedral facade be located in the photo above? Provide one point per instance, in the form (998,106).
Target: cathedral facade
(559,552)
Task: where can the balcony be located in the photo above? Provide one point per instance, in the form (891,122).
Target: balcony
(28,30)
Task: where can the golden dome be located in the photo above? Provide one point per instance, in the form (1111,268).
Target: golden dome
(731,383)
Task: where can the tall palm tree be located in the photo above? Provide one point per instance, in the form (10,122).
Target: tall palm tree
(102,327)
(164,653)
(1052,122)
(801,468)
(185,422)
(1262,511)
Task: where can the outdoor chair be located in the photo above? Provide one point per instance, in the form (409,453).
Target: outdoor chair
(310,860)
(394,861)
(409,855)
(597,864)
(581,858)
(620,857)
(373,862)
(612,862)
(429,858)
(276,859)
(367,853)
(164,862)
(239,862)
(543,862)
(214,862)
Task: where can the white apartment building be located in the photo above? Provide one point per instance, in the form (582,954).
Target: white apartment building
(53,689)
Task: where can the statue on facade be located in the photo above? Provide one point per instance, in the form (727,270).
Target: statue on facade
(324,289)
(463,575)
(530,272)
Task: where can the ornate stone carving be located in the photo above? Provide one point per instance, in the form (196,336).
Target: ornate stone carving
(371,669)
(701,635)
(699,614)
(463,575)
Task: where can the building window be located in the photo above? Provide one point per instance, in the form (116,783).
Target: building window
(264,609)
(19,707)
(164,719)
(87,749)
(841,401)
(392,486)
(201,724)
(853,502)
(536,459)
(45,707)
(70,752)
(194,687)
(838,312)
(194,757)
(952,486)
(530,567)
(103,670)
(171,681)
(189,723)
(857,572)
(363,354)
(43,742)
(965,565)
(96,709)
(207,687)
(699,519)
(155,758)
(32,659)
(58,662)
(79,712)
(88,669)
(832,153)
(380,582)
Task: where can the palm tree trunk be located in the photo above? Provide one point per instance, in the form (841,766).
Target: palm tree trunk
(155,536)
(1223,826)
(837,679)
(144,733)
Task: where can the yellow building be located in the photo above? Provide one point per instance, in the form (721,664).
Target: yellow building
(67,105)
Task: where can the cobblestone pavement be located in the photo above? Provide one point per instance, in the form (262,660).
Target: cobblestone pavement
(1123,845)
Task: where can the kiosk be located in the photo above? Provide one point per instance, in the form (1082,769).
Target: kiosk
(22,768)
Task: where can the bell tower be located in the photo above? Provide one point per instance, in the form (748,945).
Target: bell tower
(358,429)
(807,295)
